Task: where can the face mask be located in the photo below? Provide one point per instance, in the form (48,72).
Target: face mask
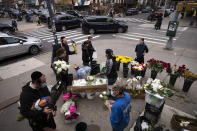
(44,85)
(112,93)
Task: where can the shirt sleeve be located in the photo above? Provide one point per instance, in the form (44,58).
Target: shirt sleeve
(109,64)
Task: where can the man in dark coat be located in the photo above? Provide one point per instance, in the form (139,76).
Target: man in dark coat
(140,50)
(90,48)
(85,54)
(31,92)
(63,45)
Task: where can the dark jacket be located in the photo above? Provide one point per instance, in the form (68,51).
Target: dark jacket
(90,49)
(37,119)
(85,53)
(68,52)
(141,49)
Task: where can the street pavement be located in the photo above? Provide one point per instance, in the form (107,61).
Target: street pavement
(122,44)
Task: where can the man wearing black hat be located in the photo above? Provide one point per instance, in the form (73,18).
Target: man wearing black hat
(63,45)
(31,92)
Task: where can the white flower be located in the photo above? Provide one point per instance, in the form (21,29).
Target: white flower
(59,70)
(67,113)
(101,96)
(57,62)
(139,77)
(90,78)
(104,93)
(149,81)
(134,79)
(138,87)
(184,123)
(65,107)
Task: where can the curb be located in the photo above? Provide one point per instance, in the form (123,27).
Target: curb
(9,102)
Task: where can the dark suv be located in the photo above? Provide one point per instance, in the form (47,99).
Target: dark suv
(64,22)
(94,24)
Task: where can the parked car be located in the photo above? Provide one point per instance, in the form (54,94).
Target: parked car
(44,16)
(64,22)
(6,28)
(95,24)
(147,9)
(60,13)
(13,45)
(74,13)
(132,11)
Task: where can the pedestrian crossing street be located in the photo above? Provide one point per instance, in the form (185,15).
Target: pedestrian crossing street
(134,20)
(150,38)
(46,34)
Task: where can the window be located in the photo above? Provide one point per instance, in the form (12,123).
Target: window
(110,20)
(63,18)
(101,20)
(2,41)
(11,40)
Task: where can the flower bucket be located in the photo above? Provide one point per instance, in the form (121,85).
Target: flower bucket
(154,100)
(82,126)
(125,72)
(173,79)
(187,84)
(132,70)
(83,95)
(153,74)
(90,96)
(125,65)
(118,66)
(69,80)
(137,73)
(143,72)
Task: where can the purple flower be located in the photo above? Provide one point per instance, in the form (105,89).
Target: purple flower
(66,97)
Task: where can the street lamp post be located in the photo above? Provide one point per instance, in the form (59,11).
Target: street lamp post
(51,14)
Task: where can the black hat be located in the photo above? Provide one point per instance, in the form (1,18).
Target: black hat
(36,75)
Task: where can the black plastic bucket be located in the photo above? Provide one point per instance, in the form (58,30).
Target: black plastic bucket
(82,126)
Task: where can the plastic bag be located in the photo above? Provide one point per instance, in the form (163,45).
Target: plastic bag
(94,56)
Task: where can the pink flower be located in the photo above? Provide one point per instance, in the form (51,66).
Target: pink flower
(72,116)
(74,96)
(73,109)
(66,97)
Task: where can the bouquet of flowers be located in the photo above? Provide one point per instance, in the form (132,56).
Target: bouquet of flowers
(190,76)
(140,67)
(134,86)
(157,65)
(69,108)
(104,96)
(123,59)
(159,88)
(61,66)
(178,72)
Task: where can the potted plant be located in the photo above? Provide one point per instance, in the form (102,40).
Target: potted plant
(175,73)
(125,60)
(156,67)
(133,63)
(189,79)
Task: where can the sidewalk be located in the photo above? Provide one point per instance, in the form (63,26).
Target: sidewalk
(22,25)
(91,111)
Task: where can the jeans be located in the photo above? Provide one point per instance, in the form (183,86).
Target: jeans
(111,81)
(192,21)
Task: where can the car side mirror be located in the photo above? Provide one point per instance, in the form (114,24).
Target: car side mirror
(21,42)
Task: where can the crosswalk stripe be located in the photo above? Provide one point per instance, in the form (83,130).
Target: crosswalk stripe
(68,37)
(86,39)
(138,40)
(60,35)
(133,20)
(138,36)
(153,35)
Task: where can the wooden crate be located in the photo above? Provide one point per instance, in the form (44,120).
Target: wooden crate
(88,89)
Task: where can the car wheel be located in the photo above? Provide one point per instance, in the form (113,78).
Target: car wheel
(91,31)
(7,31)
(34,50)
(64,28)
(120,30)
